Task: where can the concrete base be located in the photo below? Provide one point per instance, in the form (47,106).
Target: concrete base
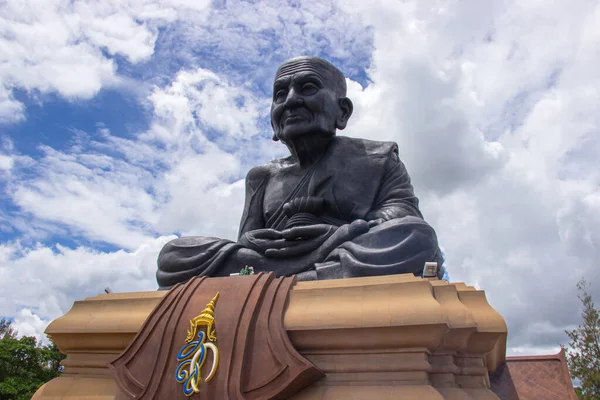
(389,337)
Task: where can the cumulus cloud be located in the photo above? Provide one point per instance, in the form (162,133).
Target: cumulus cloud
(168,179)
(496,123)
(247,40)
(26,323)
(201,96)
(42,282)
(68,47)
(10,109)
(6,162)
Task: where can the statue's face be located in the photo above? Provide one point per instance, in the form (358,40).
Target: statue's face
(305,101)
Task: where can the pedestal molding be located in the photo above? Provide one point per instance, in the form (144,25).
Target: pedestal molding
(420,334)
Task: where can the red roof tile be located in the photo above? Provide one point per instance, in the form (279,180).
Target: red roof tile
(534,378)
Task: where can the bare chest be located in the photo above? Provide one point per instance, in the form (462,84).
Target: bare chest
(282,187)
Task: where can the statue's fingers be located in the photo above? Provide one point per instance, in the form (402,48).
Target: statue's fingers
(279,244)
(270,234)
(309,231)
(293,233)
(294,250)
(274,244)
(360,226)
(375,222)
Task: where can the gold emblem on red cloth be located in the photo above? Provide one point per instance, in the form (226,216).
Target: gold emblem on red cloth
(193,354)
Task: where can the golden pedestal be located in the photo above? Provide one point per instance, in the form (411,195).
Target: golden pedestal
(388,337)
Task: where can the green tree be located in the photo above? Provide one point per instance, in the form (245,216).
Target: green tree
(583,355)
(25,364)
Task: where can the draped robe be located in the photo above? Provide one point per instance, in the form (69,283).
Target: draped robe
(356,181)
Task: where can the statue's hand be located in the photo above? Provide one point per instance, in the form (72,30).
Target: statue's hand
(375,222)
(262,239)
(301,240)
(308,232)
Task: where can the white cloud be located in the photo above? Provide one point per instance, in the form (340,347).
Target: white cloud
(97,196)
(202,97)
(532,350)
(67,46)
(26,323)
(41,283)
(70,47)
(171,178)
(247,40)
(6,162)
(10,109)
(494,106)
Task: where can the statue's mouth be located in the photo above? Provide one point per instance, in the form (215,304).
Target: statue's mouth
(294,118)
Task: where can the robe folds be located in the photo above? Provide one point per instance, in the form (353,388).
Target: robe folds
(359,187)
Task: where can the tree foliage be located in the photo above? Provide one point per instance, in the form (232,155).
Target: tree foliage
(583,355)
(25,364)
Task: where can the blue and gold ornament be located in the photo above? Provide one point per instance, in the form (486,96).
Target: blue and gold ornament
(193,353)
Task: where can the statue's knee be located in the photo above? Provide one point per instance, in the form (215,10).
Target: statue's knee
(166,256)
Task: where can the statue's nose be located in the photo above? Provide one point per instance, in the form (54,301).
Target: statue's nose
(293,98)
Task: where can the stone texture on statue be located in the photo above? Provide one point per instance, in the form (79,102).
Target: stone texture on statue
(337,207)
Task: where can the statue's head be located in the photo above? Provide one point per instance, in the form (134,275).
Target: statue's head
(309,98)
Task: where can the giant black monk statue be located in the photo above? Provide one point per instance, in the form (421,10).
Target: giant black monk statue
(337,207)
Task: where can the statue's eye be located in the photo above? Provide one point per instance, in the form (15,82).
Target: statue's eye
(309,88)
(280,96)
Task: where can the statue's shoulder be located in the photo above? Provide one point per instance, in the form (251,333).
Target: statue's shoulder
(260,172)
(264,172)
(366,147)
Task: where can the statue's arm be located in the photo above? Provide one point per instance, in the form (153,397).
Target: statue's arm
(395,198)
(252,217)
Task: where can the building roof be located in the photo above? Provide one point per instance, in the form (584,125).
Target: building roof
(534,377)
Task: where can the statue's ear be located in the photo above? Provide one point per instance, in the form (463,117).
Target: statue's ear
(347,108)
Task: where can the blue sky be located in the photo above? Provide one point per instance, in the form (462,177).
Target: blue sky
(125,123)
